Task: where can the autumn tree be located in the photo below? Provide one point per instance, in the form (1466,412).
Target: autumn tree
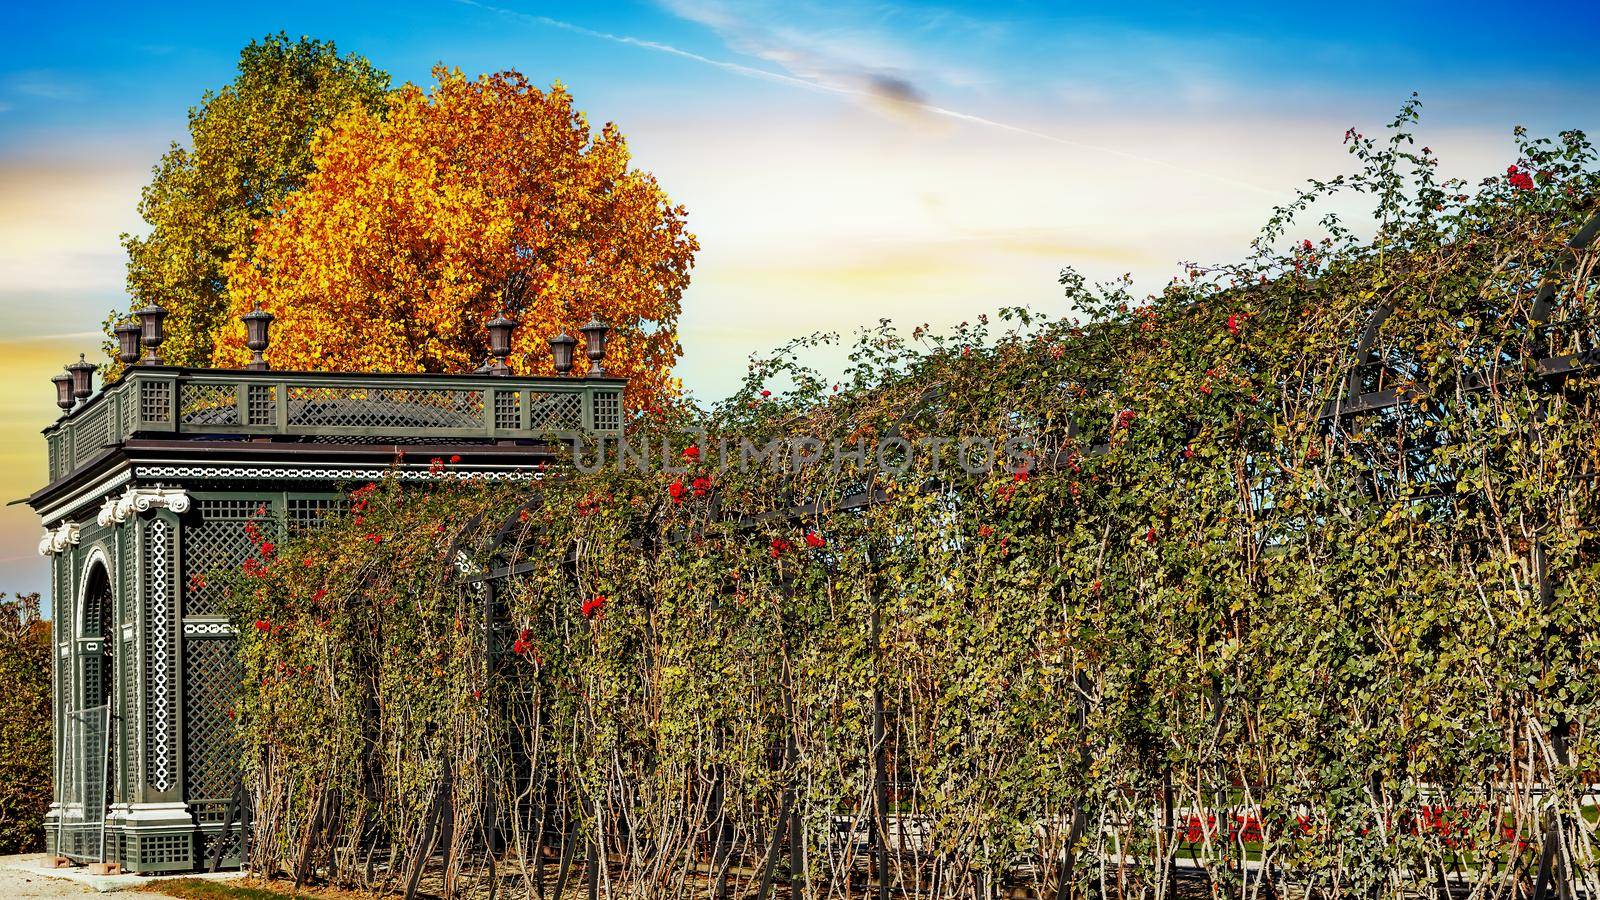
(24,723)
(249,148)
(477,197)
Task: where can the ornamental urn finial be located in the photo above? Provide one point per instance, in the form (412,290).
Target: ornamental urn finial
(561,347)
(500,329)
(127,343)
(82,374)
(63,383)
(257,324)
(595,333)
(151,333)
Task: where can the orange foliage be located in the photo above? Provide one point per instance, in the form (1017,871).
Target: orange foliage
(405,238)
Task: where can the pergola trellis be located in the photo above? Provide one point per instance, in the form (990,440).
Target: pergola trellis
(1557,348)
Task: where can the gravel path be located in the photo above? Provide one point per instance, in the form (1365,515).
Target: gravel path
(17,881)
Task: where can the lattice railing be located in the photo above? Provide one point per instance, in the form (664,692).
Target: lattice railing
(388,408)
(208,404)
(358,408)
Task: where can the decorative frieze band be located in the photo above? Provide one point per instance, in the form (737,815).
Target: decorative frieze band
(138,500)
(328,474)
(160,648)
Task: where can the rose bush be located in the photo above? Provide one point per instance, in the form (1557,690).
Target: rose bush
(1213,611)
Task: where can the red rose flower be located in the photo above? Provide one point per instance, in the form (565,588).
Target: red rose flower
(766,393)
(455,457)
(675,490)
(701,486)
(375,538)
(779,545)
(815,541)
(263,625)
(1150,535)
(691,453)
(268,548)
(1233,324)
(593,605)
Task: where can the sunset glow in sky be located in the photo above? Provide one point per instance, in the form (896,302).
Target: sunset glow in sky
(840,162)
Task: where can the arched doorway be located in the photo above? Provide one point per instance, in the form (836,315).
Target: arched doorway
(97,662)
(86,729)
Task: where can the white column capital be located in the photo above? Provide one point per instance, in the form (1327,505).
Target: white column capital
(58,539)
(138,500)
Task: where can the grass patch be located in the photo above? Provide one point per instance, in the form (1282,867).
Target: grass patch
(242,889)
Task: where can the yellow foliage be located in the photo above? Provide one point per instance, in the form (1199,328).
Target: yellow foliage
(402,243)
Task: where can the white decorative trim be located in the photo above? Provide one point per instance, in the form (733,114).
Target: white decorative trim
(59,540)
(192,628)
(66,651)
(329,474)
(89,646)
(138,500)
(79,498)
(160,650)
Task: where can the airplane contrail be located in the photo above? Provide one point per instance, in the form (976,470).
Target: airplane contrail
(844,91)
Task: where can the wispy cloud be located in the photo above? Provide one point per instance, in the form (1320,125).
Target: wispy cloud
(853,60)
(44,84)
(879,87)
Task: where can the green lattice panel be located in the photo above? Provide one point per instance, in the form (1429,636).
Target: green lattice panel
(155,400)
(210,673)
(217,542)
(556,412)
(507,410)
(262,404)
(128,722)
(350,407)
(208,404)
(311,513)
(126,573)
(161,852)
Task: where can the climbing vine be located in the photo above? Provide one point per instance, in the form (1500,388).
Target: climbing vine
(1283,579)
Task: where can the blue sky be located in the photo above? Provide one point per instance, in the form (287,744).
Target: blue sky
(840,161)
